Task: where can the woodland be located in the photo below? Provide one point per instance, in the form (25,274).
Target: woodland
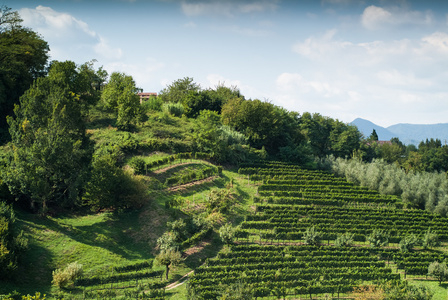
(201,193)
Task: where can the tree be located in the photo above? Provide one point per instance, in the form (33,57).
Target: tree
(438,270)
(345,240)
(236,291)
(378,238)
(221,142)
(120,96)
(23,58)
(227,233)
(265,124)
(373,136)
(12,242)
(179,89)
(51,152)
(169,258)
(111,187)
(83,80)
(408,242)
(311,236)
(430,239)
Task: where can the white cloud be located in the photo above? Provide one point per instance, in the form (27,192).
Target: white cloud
(437,41)
(103,48)
(143,73)
(375,17)
(292,81)
(53,24)
(61,29)
(389,81)
(227,8)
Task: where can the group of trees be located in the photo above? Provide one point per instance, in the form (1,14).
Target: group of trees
(430,156)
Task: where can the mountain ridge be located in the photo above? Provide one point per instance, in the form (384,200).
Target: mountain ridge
(407,133)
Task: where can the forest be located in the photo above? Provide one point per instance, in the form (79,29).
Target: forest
(86,168)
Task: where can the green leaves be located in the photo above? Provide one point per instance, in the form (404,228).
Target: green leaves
(120,96)
(51,152)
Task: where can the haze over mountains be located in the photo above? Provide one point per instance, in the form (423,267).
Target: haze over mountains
(407,133)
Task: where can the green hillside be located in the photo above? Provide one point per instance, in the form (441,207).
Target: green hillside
(200,193)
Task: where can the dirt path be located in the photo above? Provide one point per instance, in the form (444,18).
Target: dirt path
(176,165)
(179,282)
(190,184)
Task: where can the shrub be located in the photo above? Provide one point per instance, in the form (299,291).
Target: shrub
(438,270)
(153,103)
(63,277)
(138,164)
(227,233)
(174,109)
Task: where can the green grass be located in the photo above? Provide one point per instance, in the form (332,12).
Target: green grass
(440,290)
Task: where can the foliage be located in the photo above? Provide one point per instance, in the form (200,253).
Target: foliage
(120,96)
(112,187)
(227,233)
(167,258)
(220,200)
(51,152)
(430,239)
(378,238)
(138,164)
(421,190)
(395,290)
(408,242)
(311,236)
(174,109)
(168,241)
(236,291)
(23,58)
(178,90)
(345,240)
(63,277)
(263,123)
(153,103)
(12,243)
(221,142)
(438,270)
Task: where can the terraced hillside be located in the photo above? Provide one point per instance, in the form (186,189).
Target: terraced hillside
(291,244)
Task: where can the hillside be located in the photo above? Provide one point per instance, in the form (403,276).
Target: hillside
(407,133)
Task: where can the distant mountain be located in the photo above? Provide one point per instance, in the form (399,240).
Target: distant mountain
(366,127)
(407,133)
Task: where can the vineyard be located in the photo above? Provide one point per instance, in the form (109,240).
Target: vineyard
(273,257)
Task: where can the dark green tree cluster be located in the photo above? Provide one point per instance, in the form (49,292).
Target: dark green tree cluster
(12,242)
(23,58)
(194,99)
(120,97)
(51,151)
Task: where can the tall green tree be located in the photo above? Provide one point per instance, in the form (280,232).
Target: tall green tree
(120,96)
(265,124)
(51,152)
(179,89)
(23,58)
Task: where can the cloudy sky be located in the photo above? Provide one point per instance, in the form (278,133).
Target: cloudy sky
(385,61)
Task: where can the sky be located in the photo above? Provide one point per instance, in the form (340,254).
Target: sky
(385,61)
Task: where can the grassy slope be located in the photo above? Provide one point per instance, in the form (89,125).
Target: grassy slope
(101,240)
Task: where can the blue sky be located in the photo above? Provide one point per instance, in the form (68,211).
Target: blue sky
(385,61)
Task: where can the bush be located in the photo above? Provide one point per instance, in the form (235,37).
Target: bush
(153,103)
(63,277)
(138,164)
(227,233)
(174,109)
